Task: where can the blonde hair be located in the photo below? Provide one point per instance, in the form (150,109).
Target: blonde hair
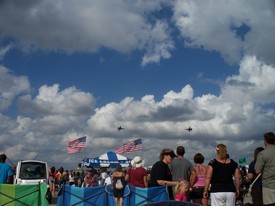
(180,185)
(166,150)
(222,151)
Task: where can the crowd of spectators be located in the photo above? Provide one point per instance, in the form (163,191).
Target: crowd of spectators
(222,180)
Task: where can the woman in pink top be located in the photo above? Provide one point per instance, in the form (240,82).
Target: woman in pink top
(197,180)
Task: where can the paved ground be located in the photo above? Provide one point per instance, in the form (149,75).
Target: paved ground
(53,203)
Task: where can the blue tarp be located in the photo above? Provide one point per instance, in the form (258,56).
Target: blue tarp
(103,196)
(141,196)
(81,196)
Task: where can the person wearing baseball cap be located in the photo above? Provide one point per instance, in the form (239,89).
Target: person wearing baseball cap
(161,174)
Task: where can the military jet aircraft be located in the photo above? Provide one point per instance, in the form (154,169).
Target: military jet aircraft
(120,128)
(189,129)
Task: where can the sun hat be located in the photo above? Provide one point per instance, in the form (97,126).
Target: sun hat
(137,162)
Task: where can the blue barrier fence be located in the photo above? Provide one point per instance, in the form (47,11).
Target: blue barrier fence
(103,196)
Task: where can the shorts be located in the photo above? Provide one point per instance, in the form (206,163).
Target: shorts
(118,192)
(223,198)
(197,193)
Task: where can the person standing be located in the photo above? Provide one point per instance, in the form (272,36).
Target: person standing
(6,174)
(52,174)
(265,164)
(219,174)
(91,178)
(59,177)
(256,191)
(118,178)
(78,180)
(161,174)
(80,170)
(136,174)
(197,180)
(103,176)
(181,168)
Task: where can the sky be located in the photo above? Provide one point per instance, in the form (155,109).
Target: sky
(82,68)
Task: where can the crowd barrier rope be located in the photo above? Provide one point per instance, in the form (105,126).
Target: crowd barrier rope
(103,196)
(23,195)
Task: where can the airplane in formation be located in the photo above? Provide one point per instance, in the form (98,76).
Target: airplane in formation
(189,129)
(120,128)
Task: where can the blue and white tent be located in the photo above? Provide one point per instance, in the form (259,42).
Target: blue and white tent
(109,159)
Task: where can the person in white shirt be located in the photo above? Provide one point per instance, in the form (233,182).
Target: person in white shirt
(103,176)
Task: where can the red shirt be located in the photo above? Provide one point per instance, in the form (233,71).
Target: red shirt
(136,176)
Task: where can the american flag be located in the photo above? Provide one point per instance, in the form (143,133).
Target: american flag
(71,150)
(129,147)
(76,145)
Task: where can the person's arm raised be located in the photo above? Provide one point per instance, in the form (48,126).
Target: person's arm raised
(166,182)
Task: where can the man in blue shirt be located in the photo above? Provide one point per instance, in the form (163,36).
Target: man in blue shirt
(6,174)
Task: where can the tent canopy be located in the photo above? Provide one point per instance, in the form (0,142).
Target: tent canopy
(109,159)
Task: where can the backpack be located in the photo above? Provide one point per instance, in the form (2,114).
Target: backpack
(118,184)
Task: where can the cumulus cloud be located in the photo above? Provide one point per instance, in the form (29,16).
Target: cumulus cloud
(228,28)
(88,26)
(160,44)
(254,82)
(5,50)
(51,101)
(237,112)
(236,117)
(51,116)
(47,121)
(10,87)
(125,26)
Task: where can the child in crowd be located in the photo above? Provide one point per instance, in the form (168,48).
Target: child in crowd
(180,191)
(92,178)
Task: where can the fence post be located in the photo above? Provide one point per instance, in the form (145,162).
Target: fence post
(63,194)
(39,194)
